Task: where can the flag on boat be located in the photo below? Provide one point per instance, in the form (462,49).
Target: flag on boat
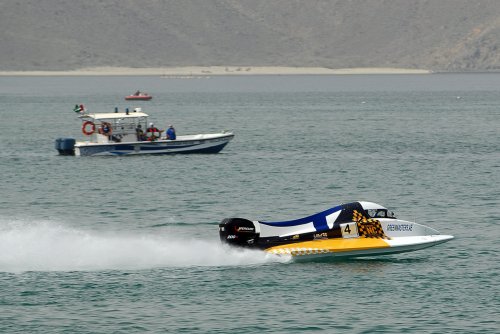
(79,108)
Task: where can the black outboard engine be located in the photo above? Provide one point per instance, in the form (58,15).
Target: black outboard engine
(238,232)
(65,146)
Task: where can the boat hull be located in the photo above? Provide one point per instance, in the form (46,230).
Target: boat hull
(358,247)
(213,144)
(138,98)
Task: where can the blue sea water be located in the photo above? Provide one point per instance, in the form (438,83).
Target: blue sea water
(130,244)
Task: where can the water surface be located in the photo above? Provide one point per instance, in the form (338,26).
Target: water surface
(130,244)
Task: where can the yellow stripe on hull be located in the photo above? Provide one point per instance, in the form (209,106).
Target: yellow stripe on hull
(329,246)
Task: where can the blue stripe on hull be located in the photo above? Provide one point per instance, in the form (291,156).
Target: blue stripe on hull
(212,149)
(159,148)
(127,149)
(205,150)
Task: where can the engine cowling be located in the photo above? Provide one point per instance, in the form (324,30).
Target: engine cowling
(238,232)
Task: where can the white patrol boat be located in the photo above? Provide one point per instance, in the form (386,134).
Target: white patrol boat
(353,229)
(129,133)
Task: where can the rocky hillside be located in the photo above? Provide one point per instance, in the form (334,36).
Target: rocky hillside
(444,35)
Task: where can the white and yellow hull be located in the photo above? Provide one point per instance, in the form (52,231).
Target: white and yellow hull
(358,246)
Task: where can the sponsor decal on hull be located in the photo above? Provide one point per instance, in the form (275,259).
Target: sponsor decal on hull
(400,227)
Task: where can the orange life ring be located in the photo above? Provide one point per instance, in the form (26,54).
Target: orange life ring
(84,128)
(153,134)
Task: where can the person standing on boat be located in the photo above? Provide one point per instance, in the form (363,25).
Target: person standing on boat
(106,128)
(171,132)
(139,133)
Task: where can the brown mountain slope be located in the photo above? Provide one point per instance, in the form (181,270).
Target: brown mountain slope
(440,35)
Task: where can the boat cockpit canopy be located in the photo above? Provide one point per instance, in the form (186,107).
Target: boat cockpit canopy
(375,210)
(380,213)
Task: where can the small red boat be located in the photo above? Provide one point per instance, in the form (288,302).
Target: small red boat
(139,96)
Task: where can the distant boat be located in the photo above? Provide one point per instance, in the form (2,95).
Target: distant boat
(139,96)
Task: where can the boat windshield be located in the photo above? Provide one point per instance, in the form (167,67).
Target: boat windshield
(380,213)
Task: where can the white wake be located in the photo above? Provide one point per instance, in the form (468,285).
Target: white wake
(48,246)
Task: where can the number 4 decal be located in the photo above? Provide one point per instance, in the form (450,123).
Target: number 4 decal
(349,230)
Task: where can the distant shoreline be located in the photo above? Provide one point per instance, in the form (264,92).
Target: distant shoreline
(190,71)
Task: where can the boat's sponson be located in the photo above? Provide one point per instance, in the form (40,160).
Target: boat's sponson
(344,227)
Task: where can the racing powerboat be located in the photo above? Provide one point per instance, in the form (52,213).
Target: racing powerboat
(353,229)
